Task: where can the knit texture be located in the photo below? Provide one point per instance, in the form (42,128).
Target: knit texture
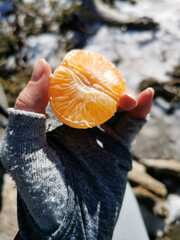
(70,182)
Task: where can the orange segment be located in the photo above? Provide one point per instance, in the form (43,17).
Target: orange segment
(97,69)
(84,91)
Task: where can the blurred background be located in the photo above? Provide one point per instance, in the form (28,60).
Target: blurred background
(142,38)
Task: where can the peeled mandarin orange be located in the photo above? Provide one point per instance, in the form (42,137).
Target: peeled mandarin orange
(85,89)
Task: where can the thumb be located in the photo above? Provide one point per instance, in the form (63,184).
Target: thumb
(34,97)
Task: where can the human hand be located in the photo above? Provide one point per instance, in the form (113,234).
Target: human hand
(34,97)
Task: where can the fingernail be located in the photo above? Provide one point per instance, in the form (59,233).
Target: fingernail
(38,70)
(132,97)
(151,89)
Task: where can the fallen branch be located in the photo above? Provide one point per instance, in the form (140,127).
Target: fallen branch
(167,166)
(104,13)
(139,176)
(149,198)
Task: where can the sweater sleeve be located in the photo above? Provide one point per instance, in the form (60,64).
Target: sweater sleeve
(36,169)
(124,128)
(127,128)
(74,191)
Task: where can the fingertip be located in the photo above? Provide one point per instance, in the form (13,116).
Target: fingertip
(148,93)
(38,70)
(128,100)
(151,90)
(42,68)
(145,100)
(146,97)
(47,68)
